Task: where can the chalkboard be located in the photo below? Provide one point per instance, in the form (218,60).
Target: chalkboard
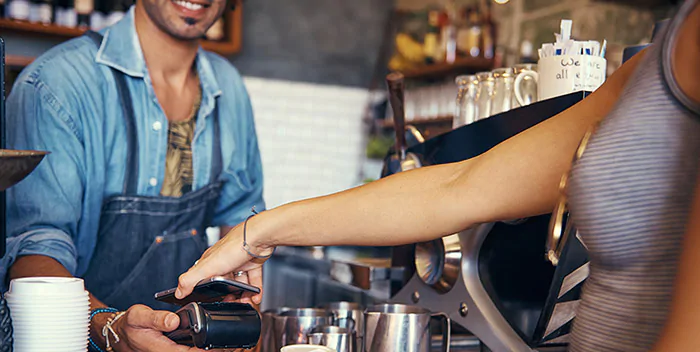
(320,41)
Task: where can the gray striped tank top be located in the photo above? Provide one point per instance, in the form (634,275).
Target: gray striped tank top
(630,197)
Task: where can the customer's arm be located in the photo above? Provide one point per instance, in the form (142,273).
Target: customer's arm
(518,178)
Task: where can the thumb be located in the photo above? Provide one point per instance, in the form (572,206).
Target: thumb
(146,318)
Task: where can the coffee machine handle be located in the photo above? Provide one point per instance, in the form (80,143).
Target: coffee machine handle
(446,330)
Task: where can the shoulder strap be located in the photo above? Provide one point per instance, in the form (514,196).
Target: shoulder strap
(132,159)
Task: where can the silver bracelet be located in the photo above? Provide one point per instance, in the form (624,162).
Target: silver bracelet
(246,247)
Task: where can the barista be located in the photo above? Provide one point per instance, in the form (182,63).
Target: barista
(152,140)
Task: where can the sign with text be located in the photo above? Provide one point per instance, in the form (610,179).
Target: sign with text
(564,74)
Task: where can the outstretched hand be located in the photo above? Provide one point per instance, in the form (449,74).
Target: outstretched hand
(224,258)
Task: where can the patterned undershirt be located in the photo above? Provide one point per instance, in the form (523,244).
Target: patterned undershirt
(179,174)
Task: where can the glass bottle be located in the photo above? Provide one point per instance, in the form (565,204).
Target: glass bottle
(474,36)
(502,91)
(466,101)
(41,11)
(19,10)
(84,9)
(449,33)
(488,27)
(65,14)
(462,34)
(431,40)
(484,94)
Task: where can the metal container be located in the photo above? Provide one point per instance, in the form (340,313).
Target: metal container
(292,326)
(268,342)
(351,316)
(337,338)
(397,327)
(348,315)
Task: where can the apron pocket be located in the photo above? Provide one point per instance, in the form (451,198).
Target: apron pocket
(158,269)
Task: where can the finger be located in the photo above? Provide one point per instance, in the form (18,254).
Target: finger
(255,277)
(140,316)
(221,260)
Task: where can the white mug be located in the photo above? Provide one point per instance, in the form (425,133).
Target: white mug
(564,74)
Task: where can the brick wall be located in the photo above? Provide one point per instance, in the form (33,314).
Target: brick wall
(311,137)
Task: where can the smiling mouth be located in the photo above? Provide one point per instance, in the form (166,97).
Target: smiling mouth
(190,5)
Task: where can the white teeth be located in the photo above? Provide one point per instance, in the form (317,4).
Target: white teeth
(188,5)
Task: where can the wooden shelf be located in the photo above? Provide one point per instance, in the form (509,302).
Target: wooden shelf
(17,62)
(461,66)
(440,120)
(38,28)
(231,46)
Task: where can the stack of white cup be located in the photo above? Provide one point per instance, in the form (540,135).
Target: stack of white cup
(49,314)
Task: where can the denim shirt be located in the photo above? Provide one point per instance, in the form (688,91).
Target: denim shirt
(66,103)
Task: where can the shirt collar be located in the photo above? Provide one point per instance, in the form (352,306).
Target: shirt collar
(121,50)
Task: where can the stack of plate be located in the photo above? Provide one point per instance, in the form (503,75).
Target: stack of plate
(49,314)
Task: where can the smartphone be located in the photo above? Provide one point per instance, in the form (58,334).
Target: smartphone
(208,290)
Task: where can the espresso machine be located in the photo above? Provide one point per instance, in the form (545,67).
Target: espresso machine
(493,279)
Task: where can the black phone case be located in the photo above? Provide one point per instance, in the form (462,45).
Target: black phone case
(205,293)
(217,325)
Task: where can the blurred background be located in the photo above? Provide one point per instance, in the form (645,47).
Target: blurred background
(315,68)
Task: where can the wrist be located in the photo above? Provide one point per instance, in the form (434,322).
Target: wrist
(261,230)
(99,318)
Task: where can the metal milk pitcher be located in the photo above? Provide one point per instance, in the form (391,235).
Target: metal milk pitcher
(349,315)
(292,326)
(268,342)
(401,328)
(337,338)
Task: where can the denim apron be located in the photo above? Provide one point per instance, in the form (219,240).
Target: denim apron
(144,243)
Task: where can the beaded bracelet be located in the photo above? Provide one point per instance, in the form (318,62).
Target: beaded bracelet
(246,247)
(94,312)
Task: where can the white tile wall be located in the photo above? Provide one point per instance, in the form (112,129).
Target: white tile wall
(311,137)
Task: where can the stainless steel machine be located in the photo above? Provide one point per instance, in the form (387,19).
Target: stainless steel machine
(493,279)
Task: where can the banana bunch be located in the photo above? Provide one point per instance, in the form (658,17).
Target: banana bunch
(409,53)
(410,49)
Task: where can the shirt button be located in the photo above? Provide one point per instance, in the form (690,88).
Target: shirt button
(157,126)
(153,181)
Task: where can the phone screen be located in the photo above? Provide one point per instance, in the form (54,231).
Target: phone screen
(208,290)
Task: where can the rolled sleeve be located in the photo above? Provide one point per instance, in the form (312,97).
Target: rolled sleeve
(44,209)
(52,243)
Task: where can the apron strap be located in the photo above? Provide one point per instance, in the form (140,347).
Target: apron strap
(216,158)
(131,175)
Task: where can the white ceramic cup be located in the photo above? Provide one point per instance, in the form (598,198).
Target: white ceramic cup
(564,74)
(306,348)
(47,286)
(49,314)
